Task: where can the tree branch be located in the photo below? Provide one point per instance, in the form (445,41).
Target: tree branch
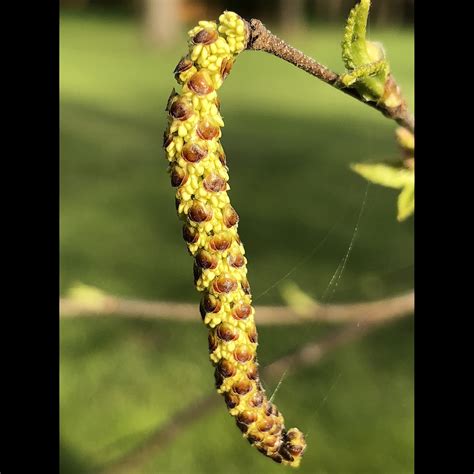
(108,306)
(262,39)
(309,354)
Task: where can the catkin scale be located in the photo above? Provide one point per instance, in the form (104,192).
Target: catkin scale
(198,170)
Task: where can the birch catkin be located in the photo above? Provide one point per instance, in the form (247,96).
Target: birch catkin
(199,172)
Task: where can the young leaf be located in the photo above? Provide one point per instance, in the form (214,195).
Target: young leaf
(384,175)
(367,69)
(89,296)
(354,49)
(391,177)
(406,139)
(406,202)
(297,299)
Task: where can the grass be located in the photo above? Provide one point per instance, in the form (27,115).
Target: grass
(289,141)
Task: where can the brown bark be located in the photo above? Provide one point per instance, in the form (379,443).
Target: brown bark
(262,39)
(372,311)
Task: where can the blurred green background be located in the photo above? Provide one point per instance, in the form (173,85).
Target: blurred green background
(289,140)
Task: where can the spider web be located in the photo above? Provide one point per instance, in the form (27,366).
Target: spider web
(332,285)
(335,278)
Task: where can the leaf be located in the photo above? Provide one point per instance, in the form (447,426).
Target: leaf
(392,177)
(384,175)
(354,48)
(89,296)
(364,60)
(364,72)
(405,138)
(406,202)
(297,299)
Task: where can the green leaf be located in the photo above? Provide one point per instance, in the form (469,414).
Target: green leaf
(392,177)
(384,175)
(406,139)
(354,49)
(362,73)
(91,297)
(367,69)
(406,202)
(297,299)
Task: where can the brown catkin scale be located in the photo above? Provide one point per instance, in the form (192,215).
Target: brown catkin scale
(197,273)
(237,261)
(257,400)
(242,387)
(218,380)
(270,441)
(212,342)
(230,216)
(241,311)
(198,169)
(206,260)
(255,438)
(265,425)
(221,242)
(207,130)
(178,176)
(167,139)
(201,83)
(190,234)
(245,286)
(206,37)
(194,152)
(200,213)
(243,353)
(242,427)
(223,159)
(225,285)
(226,67)
(252,335)
(227,332)
(226,368)
(214,183)
(252,374)
(231,399)
(247,417)
(183,65)
(211,304)
(181,109)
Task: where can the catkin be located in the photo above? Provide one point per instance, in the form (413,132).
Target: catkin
(198,169)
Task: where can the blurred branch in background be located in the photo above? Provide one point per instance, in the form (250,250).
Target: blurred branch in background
(292,15)
(308,355)
(85,301)
(164,19)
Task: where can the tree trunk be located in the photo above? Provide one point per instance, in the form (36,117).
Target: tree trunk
(162,22)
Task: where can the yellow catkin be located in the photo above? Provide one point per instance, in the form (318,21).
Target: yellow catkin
(199,171)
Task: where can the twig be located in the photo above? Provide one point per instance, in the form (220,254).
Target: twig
(309,354)
(108,306)
(262,39)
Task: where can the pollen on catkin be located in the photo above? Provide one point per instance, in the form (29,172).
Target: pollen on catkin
(198,169)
